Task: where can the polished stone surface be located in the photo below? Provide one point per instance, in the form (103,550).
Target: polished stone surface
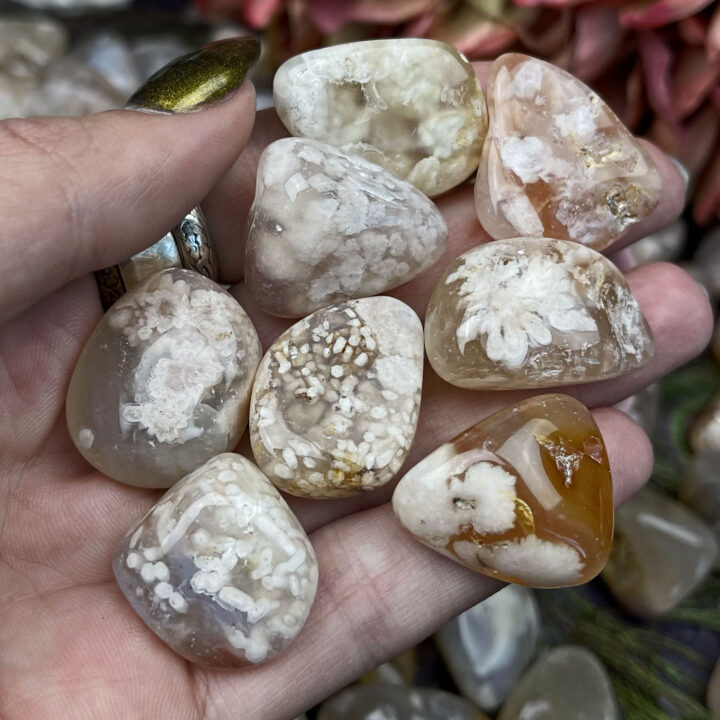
(699,489)
(163,383)
(487,647)
(557,162)
(336,399)
(567,683)
(413,106)
(29,45)
(71,87)
(643,407)
(661,552)
(328,226)
(534,312)
(705,429)
(220,569)
(665,245)
(394,702)
(523,496)
(110,55)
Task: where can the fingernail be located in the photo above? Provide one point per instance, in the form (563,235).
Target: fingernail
(200,79)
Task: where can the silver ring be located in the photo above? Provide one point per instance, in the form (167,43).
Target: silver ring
(187,245)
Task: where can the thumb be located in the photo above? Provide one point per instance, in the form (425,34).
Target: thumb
(77,195)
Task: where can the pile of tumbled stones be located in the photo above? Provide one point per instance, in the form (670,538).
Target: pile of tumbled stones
(220,569)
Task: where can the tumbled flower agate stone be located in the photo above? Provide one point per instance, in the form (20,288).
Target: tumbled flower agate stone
(532,312)
(220,569)
(336,399)
(557,162)
(523,496)
(413,106)
(327,226)
(164,381)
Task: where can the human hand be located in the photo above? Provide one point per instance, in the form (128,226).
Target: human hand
(78,195)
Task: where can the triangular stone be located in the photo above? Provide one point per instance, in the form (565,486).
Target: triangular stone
(327,226)
(557,162)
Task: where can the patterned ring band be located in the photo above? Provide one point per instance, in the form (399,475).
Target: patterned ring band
(187,245)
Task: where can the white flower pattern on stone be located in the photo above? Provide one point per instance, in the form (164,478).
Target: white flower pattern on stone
(517,305)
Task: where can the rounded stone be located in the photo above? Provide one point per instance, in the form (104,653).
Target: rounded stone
(336,400)
(327,226)
(488,646)
(661,552)
(524,496)
(394,702)
(220,569)
(557,162)
(163,383)
(534,312)
(411,105)
(567,683)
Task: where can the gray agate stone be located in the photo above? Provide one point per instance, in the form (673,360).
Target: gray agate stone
(394,702)
(220,569)
(163,383)
(567,683)
(328,226)
(661,552)
(488,646)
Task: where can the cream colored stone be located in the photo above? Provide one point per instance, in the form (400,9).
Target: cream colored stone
(336,399)
(534,312)
(220,569)
(557,162)
(413,106)
(164,381)
(327,226)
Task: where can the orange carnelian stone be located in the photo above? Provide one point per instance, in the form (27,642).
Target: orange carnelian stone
(523,496)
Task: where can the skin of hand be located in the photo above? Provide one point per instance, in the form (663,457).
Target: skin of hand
(81,194)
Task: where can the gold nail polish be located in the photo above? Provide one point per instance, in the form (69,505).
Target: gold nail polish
(200,79)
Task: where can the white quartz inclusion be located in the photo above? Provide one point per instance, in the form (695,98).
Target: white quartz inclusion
(336,400)
(327,226)
(164,381)
(412,105)
(557,162)
(530,312)
(220,569)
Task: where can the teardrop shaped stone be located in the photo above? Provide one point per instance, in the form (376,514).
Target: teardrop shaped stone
(412,105)
(524,496)
(220,569)
(337,396)
(163,383)
(394,702)
(557,162)
(488,646)
(661,553)
(567,683)
(532,312)
(327,226)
